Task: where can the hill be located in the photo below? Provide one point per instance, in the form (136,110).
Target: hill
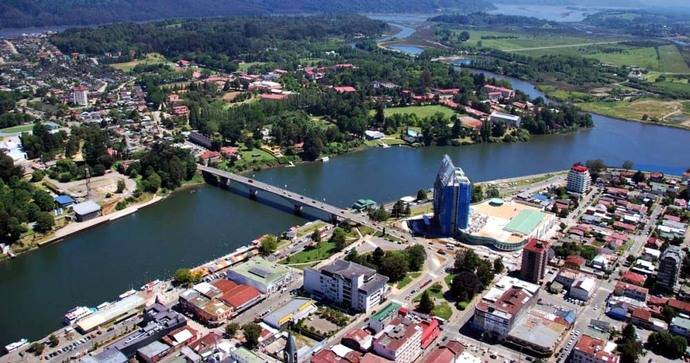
(29,13)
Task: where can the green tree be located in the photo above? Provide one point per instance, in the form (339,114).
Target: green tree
(316,236)
(37,176)
(339,237)
(377,256)
(153,183)
(426,303)
(44,222)
(313,145)
(269,244)
(252,332)
(465,285)
(379,214)
(54,341)
(416,255)
(466,261)
(421,195)
(231,329)
(37,348)
(667,345)
(394,265)
(185,276)
(498,265)
(485,272)
(120,186)
(43,200)
(627,165)
(380,117)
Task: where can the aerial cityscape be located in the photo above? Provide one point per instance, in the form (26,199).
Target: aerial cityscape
(488,181)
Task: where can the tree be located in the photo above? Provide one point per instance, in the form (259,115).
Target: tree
(498,265)
(380,118)
(426,304)
(639,177)
(339,237)
(416,255)
(669,313)
(185,276)
(379,214)
(313,145)
(667,345)
(466,261)
(269,244)
(394,265)
(627,165)
(44,222)
(7,167)
(465,285)
(252,332)
(43,200)
(37,348)
(377,256)
(231,329)
(628,346)
(54,341)
(316,236)
(152,183)
(485,272)
(421,195)
(120,186)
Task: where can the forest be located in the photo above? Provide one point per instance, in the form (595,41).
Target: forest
(30,13)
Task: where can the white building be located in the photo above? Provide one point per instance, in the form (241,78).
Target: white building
(346,283)
(507,119)
(579,179)
(593,350)
(400,343)
(80,95)
(583,289)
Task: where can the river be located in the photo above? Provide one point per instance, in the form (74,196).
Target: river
(192,227)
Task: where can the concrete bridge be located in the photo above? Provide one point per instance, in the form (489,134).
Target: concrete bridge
(298,201)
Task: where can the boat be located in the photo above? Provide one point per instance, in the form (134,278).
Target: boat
(325,159)
(16,345)
(126,294)
(102,306)
(149,286)
(76,313)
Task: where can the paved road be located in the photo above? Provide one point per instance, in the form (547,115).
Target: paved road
(302,201)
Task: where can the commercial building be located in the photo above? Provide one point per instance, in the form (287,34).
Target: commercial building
(503,305)
(669,268)
(159,321)
(504,118)
(583,288)
(506,225)
(400,343)
(451,352)
(534,260)
(538,332)
(593,350)
(579,179)
(80,95)
(680,326)
(348,284)
(264,275)
(112,313)
(86,210)
(296,309)
(381,318)
(452,198)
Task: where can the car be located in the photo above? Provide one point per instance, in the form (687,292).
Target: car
(250,181)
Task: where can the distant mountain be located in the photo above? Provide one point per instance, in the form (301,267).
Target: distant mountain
(29,13)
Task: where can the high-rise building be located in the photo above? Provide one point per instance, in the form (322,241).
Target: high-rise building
(579,179)
(452,198)
(80,95)
(534,259)
(669,268)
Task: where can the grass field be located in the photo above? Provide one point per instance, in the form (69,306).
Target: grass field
(407,279)
(635,110)
(420,111)
(322,251)
(518,40)
(244,67)
(564,95)
(17,129)
(151,58)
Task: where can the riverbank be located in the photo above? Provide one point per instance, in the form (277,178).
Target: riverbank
(72,228)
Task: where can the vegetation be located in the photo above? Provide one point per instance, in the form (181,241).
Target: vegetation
(394,264)
(186,277)
(268,245)
(252,333)
(163,166)
(426,304)
(231,329)
(667,345)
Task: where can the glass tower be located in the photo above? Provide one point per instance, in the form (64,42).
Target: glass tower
(452,198)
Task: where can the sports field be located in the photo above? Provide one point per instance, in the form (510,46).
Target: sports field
(420,111)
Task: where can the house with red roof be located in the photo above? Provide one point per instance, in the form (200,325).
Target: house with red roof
(575,262)
(634,278)
(209,157)
(447,353)
(344,89)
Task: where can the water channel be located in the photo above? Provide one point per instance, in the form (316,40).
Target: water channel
(195,226)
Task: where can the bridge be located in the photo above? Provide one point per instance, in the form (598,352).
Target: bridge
(298,201)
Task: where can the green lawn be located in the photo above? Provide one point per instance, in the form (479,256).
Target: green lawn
(443,310)
(518,40)
(321,252)
(671,60)
(17,129)
(407,279)
(420,111)
(448,279)
(151,58)
(632,110)
(244,67)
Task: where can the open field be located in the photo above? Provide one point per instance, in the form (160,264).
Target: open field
(151,58)
(420,111)
(322,251)
(510,41)
(672,113)
(244,67)
(17,129)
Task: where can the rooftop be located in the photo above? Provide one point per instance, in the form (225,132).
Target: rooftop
(259,269)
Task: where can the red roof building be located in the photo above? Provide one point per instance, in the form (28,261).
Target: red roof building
(446,353)
(373,358)
(589,349)
(344,89)
(634,278)
(575,262)
(328,356)
(273,97)
(430,331)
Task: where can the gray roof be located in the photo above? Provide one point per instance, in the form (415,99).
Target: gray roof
(347,269)
(153,349)
(111,356)
(85,208)
(374,284)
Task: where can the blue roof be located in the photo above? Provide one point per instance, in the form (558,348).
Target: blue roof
(64,199)
(540,197)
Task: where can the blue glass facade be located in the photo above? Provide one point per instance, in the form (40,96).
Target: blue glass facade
(452,198)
